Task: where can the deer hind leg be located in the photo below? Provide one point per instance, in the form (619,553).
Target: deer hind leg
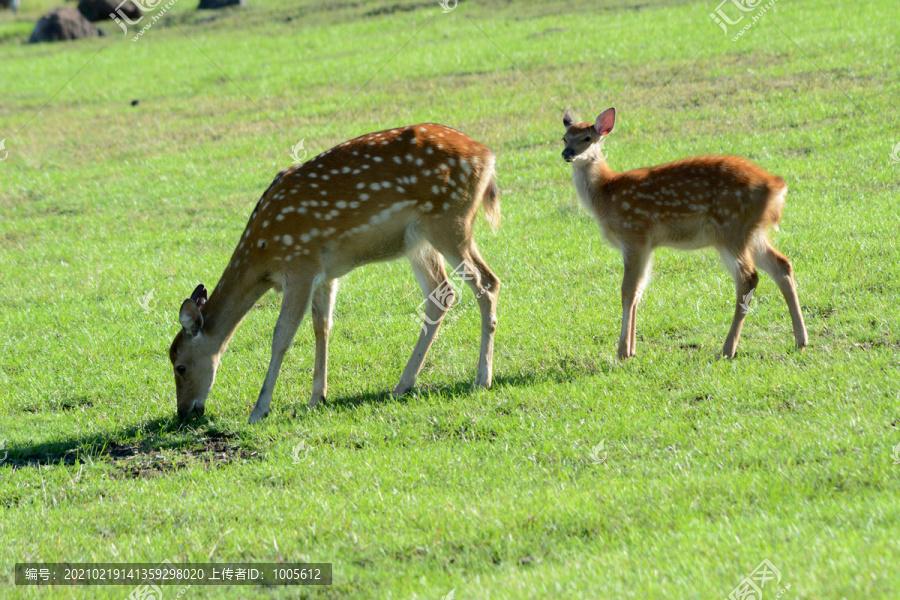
(485,285)
(637,274)
(322,308)
(779,268)
(297,294)
(428,267)
(741,266)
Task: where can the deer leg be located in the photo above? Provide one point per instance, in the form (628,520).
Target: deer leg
(642,285)
(742,270)
(486,287)
(294,304)
(469,264)
(428,267)
(322,307)
(637,268)
(779,268)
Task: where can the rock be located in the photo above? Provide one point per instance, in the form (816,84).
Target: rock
(210,4)
(63,23)
(99,10)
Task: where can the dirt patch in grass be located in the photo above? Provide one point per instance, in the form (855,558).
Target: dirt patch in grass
(211,452)
(134,460)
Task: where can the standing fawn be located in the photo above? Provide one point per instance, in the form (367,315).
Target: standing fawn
(721,201)
(411,191)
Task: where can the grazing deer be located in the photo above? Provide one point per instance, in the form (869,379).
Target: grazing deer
(411,191)
(721,201)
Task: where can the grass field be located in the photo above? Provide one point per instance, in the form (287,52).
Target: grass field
(112,213)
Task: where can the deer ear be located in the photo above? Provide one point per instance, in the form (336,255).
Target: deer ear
(606,121)
(568,119)
(190,317)
(199,296)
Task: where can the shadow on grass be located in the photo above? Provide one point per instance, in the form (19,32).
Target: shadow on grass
(156,435)
(197,437)
(563,370)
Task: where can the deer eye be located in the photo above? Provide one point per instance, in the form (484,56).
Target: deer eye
(180,369)
(587,138)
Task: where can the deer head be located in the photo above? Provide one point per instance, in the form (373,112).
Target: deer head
(194,357)
(583,139)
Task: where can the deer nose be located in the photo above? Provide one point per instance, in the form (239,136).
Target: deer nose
(186,412)
(568,153)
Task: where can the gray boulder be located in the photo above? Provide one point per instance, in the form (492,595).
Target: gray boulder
(211,4)
(63,23)
(99,10)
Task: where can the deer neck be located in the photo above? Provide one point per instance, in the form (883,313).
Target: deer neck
(592,176)
(229,303)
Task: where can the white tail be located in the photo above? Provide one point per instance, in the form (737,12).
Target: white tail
(412,190)
(721,201)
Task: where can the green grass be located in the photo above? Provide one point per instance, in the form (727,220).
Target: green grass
(711,466)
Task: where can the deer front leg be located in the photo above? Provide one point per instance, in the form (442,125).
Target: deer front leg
(294,304)
(637,268)
(322,308)
(428,267)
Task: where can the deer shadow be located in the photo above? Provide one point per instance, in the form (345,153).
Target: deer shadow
(563,370)
(156,435)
